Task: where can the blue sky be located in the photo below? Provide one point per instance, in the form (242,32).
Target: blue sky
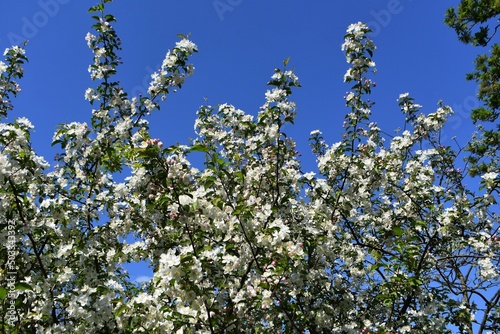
(240,43)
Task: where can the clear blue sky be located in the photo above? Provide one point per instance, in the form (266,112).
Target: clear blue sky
(240,45)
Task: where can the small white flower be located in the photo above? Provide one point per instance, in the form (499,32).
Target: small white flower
(486,269)
(169,259)
(3,67)
(91,94)
(292,77)
(402,96)
(276,76)
(309,176)
(64,250)
(18,50)
(186,45)
(185,200)
(25,122)
(356,28)
(275,95)
(143,298)
(489,176)
(99,52)
(149,104)
(266,299)
(89,38)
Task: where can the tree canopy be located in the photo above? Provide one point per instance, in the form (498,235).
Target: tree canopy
(476,23)
(384,236)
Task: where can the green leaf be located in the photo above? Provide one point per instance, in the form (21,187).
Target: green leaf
(285,62)
(110,18)
(3,293)
(120,309)
(198,148)
(23,286)
(375,266)
(96,8)
(398,231)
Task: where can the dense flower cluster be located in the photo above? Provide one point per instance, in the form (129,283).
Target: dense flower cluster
(12,69)
(383,237)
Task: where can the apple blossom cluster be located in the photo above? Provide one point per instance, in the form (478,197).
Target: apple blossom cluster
(10,70)
(383,236)
(169,74)
(359,50)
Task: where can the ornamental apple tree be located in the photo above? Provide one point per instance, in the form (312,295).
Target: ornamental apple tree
(383,236)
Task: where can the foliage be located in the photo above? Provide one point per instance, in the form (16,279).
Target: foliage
(386,237)
(476,23)
(471,20)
